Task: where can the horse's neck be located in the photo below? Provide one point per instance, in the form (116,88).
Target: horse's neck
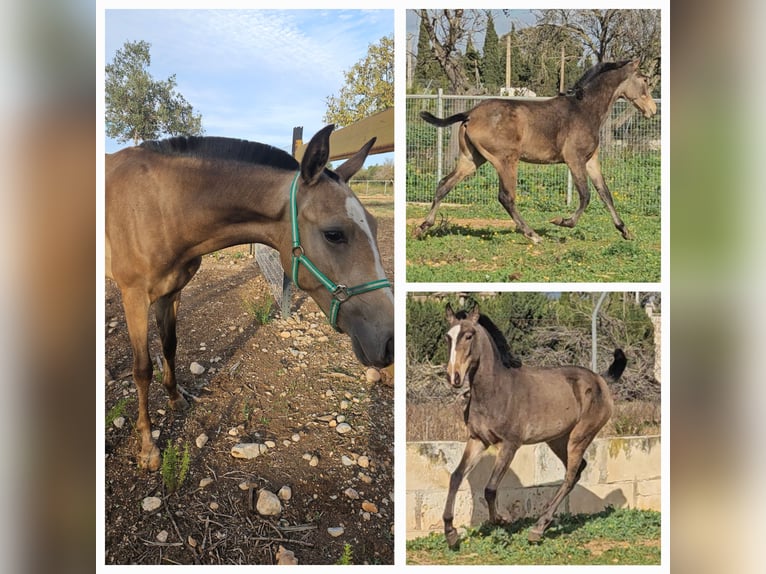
(244,205)
(599,101)
(490,372)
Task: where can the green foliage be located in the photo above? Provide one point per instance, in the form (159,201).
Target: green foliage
(492,63)
(609,537)
(260,309)
(138,107)
(369,86)
(118,410)
(175,466)
(346,558)
(515,314)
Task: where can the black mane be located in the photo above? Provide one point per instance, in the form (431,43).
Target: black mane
(591,74)
(497,338)
(223,148)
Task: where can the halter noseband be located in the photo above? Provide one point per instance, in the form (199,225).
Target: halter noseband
(340,293)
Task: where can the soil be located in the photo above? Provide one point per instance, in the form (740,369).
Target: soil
(259,385)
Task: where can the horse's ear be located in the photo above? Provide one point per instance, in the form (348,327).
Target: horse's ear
(316,155)
(473,316)
(353,164)
(449,313)
(634,64)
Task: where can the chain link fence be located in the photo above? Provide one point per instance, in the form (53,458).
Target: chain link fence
(629,154)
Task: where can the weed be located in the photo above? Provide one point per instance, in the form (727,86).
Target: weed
(175,466)
(259,309)
(117,410)
(347,557)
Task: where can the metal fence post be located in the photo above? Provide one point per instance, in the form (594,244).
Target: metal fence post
(439,139)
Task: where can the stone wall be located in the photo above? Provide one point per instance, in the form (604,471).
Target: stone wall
(622,472)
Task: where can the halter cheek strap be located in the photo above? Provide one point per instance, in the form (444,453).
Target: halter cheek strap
(340,293)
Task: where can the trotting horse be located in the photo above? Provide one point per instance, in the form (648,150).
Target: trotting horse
(510,404)
(170,202)
(563,129)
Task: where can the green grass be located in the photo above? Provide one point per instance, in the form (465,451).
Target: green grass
(609,537)
(593,251)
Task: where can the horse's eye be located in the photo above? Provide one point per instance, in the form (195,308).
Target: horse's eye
(335,236)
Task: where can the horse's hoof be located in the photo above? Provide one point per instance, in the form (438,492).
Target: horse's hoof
(627,234)
(561,222)
(179,404)
(452,537)
(534,536)
(151,460)
(418,232)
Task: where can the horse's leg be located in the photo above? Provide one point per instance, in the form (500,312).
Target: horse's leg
(559,447)
(473,448)
(575,451)
(580,179)
(166,311)
(594,172)
(507,172)
(136,305)
(502,462)
(469,160)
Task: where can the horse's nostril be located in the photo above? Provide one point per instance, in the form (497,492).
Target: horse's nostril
(457,380)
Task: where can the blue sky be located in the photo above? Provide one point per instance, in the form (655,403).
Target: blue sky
(252,74)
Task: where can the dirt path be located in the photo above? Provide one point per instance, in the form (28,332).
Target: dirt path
(278,382)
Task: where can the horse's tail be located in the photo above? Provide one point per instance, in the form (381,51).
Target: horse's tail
(432,119)
(614,372)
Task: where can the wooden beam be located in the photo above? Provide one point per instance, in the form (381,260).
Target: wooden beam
(347,141)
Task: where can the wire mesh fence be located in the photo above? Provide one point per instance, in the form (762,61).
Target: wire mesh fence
(629,154)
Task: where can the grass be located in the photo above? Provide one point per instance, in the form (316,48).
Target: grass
(491,251)
(609,537)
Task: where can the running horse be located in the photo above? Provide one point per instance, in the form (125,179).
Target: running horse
(510,404)
(563,129)
(170,202)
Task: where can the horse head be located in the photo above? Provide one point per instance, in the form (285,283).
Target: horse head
(461,338)
(635,88)
(336,258)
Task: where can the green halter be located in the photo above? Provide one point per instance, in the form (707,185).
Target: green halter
(340,293)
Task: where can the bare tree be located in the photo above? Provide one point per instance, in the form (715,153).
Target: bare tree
(611,34)
(447,31)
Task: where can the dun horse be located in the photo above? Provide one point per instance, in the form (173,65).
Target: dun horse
(510,405)
(170,202)
(563,129)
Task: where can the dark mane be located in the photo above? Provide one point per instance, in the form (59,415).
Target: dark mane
(223,148)
(499,340)
(590,75)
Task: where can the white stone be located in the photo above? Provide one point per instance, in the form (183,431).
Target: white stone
(162,536)
(201,440)
(363,461)
(151,503)
(351,493)
(343,428)
(119,422)
(205,482)
(268,504)
(247,450)
(196,368)
(335,531)
(285,493)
